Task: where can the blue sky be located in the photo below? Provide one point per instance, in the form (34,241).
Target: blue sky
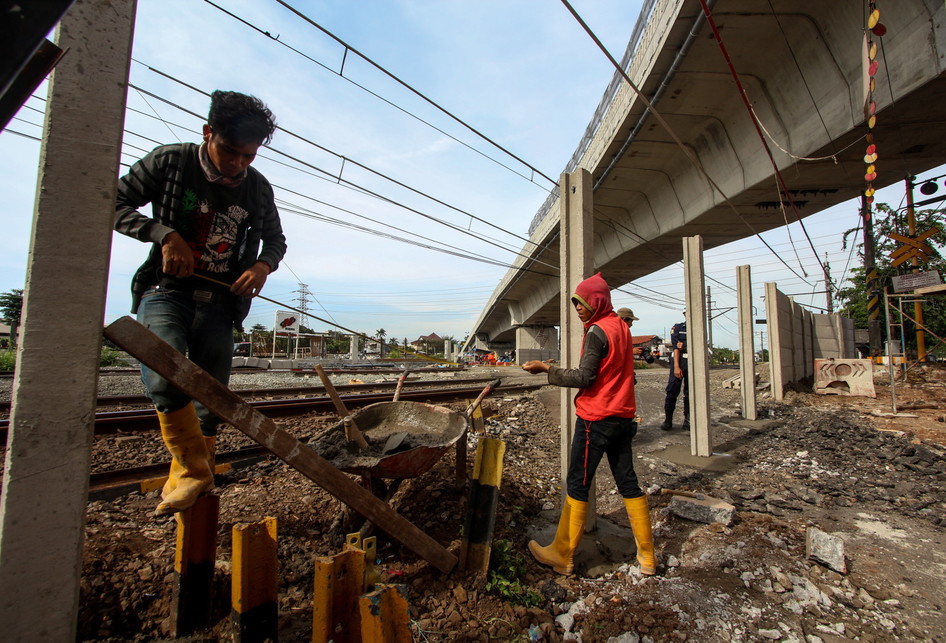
(522,73)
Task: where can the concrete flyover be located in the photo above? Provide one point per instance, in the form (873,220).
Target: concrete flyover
(803,65)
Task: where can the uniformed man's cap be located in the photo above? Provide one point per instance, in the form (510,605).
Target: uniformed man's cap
(626,313)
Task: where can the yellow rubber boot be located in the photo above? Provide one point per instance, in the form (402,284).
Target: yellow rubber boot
(176,468)
(181,432)
(639,514)
(560,554)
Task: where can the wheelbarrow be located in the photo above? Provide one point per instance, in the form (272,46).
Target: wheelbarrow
(395,440)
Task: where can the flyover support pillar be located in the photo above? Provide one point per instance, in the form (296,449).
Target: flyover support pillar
(576,243)
(353,348)
(46,478)
(536,342)
(701,440)
(746,344)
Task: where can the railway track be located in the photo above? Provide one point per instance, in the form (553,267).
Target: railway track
(106,485)
(287,391)
(145,419)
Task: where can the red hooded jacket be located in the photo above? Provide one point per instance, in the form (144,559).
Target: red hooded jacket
(612,394)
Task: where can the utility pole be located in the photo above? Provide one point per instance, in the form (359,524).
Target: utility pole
(302,305)
(827,285)
(915,262)
(873,283)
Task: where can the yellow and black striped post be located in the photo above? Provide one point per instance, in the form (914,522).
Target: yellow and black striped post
(484,499)
(254,590)
(384,615)
(339,582)
(194,557)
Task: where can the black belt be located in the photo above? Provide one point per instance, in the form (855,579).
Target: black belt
(203,296)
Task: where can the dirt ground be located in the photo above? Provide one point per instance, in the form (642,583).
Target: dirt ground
(846,466)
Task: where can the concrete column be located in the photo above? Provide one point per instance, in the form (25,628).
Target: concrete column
(775,302)
(353,351)
(575,258)
(45,486)
(701,439)
(746,343)
(536,342)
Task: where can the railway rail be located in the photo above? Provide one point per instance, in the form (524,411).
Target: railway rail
(139,399)
(106,485)
(146,419)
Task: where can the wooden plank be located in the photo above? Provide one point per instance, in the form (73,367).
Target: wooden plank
(152,351)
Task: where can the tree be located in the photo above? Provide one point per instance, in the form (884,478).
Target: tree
(853,298)
(380,334)
(11,306)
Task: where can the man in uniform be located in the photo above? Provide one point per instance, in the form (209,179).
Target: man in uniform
(678,376)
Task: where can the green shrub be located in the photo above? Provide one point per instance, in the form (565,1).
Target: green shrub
(111,357)
(7,360)
(506,567)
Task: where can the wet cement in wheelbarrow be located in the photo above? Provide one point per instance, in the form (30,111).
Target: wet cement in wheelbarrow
(390,428)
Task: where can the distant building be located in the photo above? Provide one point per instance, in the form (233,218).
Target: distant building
(425,343)
(650,343)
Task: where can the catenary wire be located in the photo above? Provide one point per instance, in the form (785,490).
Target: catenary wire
(381,98)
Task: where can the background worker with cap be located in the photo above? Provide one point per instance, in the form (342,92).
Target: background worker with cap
(627,316)
(678,376)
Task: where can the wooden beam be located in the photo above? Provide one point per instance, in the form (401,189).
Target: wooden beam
(152,351)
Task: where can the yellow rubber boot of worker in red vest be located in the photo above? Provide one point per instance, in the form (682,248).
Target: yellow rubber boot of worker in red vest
(191,474)
(639,514)
(560,554)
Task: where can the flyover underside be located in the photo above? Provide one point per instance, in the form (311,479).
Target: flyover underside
(802,70)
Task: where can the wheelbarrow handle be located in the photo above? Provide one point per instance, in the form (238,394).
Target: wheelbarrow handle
(479,399)
(400,385)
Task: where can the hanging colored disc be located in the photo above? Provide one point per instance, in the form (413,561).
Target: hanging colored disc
(879,29)
(871,122)
(872,51)
(873,85)
(872,68)
(869,191)
(871,149)
(873,18)
(869,200)
(872,108)
(871,170)
(870,158)
(870,177)
(870,139)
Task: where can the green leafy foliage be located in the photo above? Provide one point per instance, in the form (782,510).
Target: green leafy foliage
(112,357)
(7,360)
(109,357)
(11,305)
(506,567)
(853,299)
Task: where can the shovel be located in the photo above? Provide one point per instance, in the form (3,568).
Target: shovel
(479,399)
(352,432)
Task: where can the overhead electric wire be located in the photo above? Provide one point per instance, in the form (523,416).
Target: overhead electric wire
(780,181)
(411,89)
(13,131)
(696,163)
(385,100)
(351,184)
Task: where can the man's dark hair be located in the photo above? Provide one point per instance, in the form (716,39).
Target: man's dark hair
(240,118)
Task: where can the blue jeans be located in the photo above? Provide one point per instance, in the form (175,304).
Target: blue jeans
(201,331)
(612,437)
